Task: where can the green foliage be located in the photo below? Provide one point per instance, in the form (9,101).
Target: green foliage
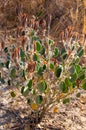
(40,13)
(58,71)
(7,64)
(78,95)
(9,82)
(22,55)
(6,49)
(39,99)
(63,53)
(22,89)
(44,67)
(41,69)
(42,51)
(45,74)
(42,87)
(66,100)
(26,89)
(29,84)
(56,52)
(35,57)
(84,86)
(73,77)
(80,51)
(51,66)
(12,94)
(68,82)
(13,73)
(64,87)
(50,42)
(1,64)
(38,46)
(77,68)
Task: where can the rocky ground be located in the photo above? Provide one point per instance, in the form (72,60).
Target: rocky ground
(69,117)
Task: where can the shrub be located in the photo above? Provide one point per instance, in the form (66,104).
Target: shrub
(44,73)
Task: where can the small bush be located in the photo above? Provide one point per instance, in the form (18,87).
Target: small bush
(35,70)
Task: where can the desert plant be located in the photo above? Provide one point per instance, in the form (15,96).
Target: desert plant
(42,72)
